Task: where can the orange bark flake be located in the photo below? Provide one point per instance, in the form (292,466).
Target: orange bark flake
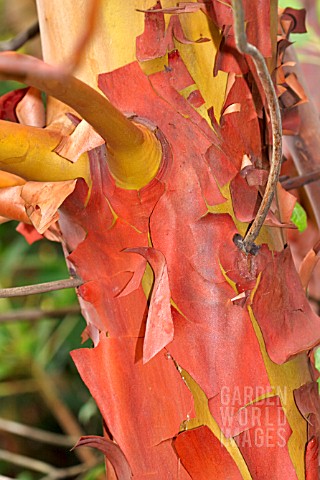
(264,445)
(312,459)
(109,370)
(30,110)
(288,324)
(204,457)
(9,102)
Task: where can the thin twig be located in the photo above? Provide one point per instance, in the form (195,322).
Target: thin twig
(39,466)
(70,471)
(300,180)
(17,387)
(26,462)
(37,434)
(67,421)
(40,288)
(19,40)
(247,244)
(35,314)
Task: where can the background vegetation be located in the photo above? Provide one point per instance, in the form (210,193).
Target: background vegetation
(39,385)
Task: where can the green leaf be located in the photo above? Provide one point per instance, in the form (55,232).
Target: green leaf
(299,217)
(9,85)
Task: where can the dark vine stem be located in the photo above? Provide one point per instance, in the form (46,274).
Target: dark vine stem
(247,243)
(22,38)
(40,288)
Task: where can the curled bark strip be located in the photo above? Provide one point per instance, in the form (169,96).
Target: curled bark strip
(246,48)
(311,456)
(112,451)
(40,288)
(36,434)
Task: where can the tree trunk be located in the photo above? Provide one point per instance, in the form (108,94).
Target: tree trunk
(199,363)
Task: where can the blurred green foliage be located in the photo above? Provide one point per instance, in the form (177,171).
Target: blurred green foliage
(31,351)
(9,85)
(29,347)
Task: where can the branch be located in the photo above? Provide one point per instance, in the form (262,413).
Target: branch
(109,122)
(19,40)
(39,466)
(130,147)
(247,244)
(37,434)
(71,471)
(17,387)
(300,180)
(26,462)
(34,149)
(64,416)
(40,288)
(35,314)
